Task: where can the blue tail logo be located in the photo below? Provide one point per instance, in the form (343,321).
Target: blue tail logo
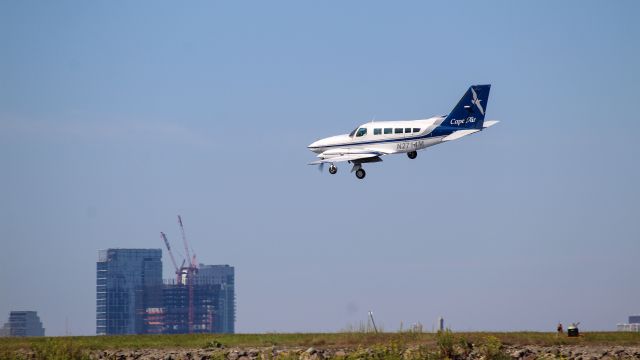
(469,113)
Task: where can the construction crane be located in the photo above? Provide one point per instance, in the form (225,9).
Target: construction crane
(191,273)
(191,260)
(173,259)
(186,272)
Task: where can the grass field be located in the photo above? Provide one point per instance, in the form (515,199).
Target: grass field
(345,340)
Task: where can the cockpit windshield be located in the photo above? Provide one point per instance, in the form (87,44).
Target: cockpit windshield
(357,132)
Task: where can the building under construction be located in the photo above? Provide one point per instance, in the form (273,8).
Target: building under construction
(208,308)
(201,299)
(132,298)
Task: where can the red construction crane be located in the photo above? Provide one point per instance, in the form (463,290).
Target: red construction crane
(185,275)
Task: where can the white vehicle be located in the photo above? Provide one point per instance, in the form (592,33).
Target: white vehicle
(368,142)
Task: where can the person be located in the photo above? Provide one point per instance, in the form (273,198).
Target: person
(560,330)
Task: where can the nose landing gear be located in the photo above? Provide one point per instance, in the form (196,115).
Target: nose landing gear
(412,154)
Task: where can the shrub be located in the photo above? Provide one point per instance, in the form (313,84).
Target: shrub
(446,342)
(214,344)
(492,349)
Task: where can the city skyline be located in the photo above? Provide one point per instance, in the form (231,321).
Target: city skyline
(114,117)
(132,297)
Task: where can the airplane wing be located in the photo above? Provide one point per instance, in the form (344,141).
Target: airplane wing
(348,157)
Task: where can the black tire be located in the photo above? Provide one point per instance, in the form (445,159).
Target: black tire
(360,173)
(412,154)
(333,169)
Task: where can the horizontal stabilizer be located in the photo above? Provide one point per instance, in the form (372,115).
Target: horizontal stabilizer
(460,133)
(489,123)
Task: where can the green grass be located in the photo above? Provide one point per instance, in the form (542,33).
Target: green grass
(50,347)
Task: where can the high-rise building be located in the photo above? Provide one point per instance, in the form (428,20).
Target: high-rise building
(206,300)
(213,302)
(224,277)
(23,323)
(128,289)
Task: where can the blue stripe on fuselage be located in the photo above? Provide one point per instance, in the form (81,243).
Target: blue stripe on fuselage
(438,131)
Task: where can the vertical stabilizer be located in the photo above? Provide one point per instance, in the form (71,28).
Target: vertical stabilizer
(470,110)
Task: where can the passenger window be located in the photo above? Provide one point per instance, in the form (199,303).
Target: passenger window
(387,130)
(377,131)
(398,131)
(407,130)
(361,132)
(416,129)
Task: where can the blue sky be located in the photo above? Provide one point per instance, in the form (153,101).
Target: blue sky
(116,116)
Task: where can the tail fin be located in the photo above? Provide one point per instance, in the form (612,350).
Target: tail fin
(469,113)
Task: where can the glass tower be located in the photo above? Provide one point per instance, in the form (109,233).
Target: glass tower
(128,286)
(224,277)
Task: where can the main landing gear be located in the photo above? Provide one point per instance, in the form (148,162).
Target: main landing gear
(333,169)
(412,154)
(360,173)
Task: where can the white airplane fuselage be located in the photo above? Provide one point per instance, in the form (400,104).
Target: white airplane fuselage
(384,142)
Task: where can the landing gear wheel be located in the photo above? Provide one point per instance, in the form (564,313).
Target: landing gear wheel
(412,154)
(333,169)
(360,174)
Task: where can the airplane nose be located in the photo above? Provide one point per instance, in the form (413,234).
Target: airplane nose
(315,146)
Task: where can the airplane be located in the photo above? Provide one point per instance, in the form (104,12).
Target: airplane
(369,142)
